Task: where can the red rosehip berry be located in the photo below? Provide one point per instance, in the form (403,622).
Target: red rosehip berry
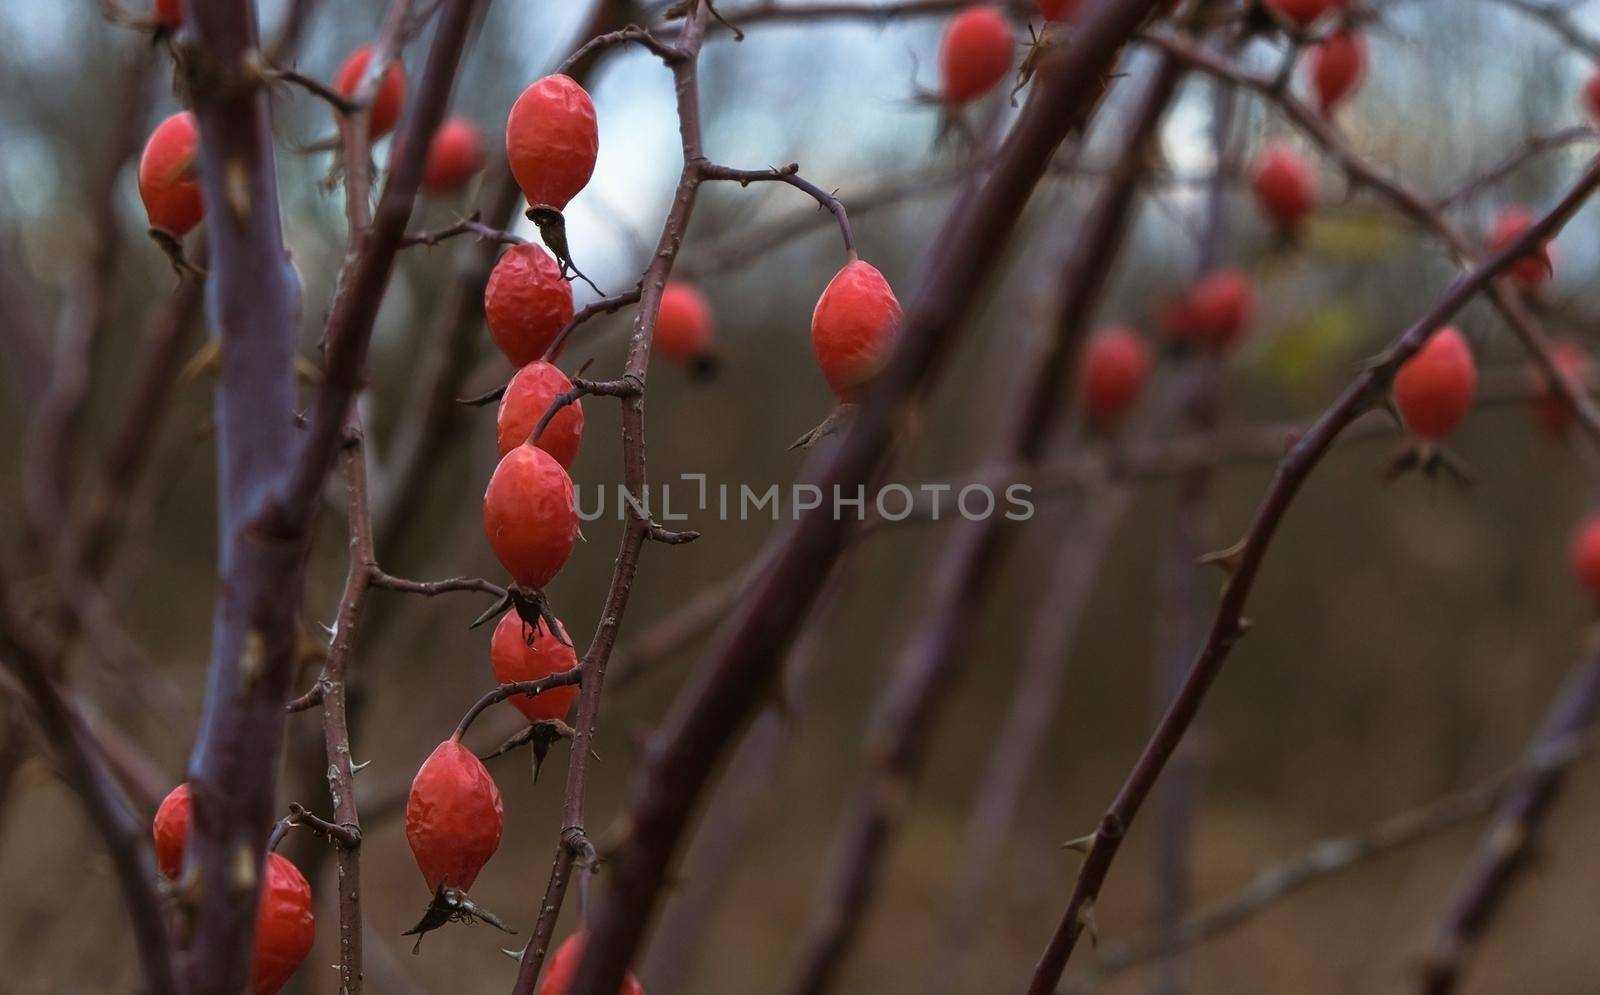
(563,967)
(1301,13)
(1586,554)
(1550,409)
(1531,271)
(1591,94)
(454,156)
(552,140)
(975,54)
(1214,313)
(1285,186)
(526,303)
(171,830)
(453,817)
(853,327)
(528,396)
(1338,65)
(169,176)
(390,99)
(683,326)
(169,13)
(285,926)
(1112,373)
(530,515)
(515,659)
(1434,388)
(1058,10)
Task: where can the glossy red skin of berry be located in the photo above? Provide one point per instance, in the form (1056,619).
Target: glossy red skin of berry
(1550,410)
(683,327)
(169,13)
(1059,10)
(530,515)
(454,817)
(526,303)
(1434,388)
(1285,186)
(514,659)
(1214,313)
(527,398)
(1338,64)
(171,830)
(1531,271)
(552,140)
(563,967)
(853,327)
(975,55)
(1586,555)
(169,177)
(1112,373)
(285,926)
(391,96)
(454,157)
(1302,13)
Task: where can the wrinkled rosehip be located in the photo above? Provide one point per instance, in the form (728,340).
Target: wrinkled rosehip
(528,396)
(563,967)
(526,303)
(454,817)
(552,141)
(285,926)
(530,515)
(515,659)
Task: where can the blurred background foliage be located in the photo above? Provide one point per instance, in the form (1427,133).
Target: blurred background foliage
(1406,636)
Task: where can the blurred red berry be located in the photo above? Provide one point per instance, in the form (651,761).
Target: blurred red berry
(285,926)
(171,830)
(1553,413)
(1586,554)
(853,327)
(390,99)
(683,327)
(169,13)
(515,659)
(1059,10)
(453,817)
(975,54)
(454,156)
(1214,313)
(1591,94)
(1338,64)
(1301,13)
(527,398)
(1434,388)
(563,967)
(1531,271)
(530,515)
(552,141)
(169,176)
(1285,186)
(1112,373)
(526,303)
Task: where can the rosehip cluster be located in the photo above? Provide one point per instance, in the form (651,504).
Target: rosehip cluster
(285,926)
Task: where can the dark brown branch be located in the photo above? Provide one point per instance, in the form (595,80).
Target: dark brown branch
(1228,623)
(505,692)
(430,588)
(466,226)
(605,305)
(335,99)
(790,174)
(632,34)
(731,683)
(1509,844)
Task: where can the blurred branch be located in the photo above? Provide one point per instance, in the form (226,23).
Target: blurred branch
(1330,858)
(1532,148)
(1509,843)
(1558,19)
(1244,562)
(928,669)
(731,682)
(774,12)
